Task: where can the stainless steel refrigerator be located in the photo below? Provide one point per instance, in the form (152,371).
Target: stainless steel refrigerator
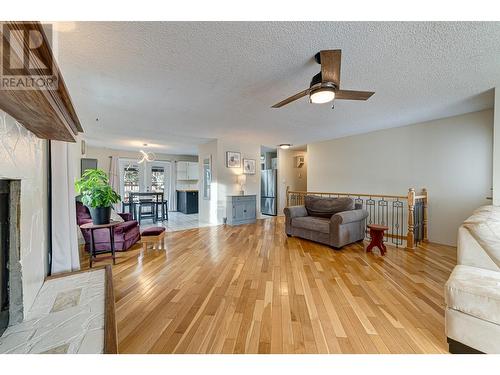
(268,188)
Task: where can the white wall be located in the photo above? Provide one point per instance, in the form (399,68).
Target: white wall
(24,157)
(451,157)
(227,177)
(224,180)
(290,175)
(496,150)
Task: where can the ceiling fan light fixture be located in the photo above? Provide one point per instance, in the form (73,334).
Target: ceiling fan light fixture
(325,85)
(146,156)
(322,95)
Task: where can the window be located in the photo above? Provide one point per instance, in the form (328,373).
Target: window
(157,179)
(130,180)
(145,177)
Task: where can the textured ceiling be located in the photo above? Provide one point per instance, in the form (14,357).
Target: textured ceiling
(176,85)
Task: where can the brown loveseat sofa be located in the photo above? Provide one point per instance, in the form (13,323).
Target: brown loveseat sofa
(332,221)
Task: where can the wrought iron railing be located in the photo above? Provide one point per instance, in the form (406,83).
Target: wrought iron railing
(405,215)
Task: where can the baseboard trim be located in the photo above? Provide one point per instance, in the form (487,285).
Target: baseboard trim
(455,347)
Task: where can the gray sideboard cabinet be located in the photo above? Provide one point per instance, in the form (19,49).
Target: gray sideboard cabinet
(241,209)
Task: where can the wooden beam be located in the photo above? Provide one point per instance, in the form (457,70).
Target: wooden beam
(48,113)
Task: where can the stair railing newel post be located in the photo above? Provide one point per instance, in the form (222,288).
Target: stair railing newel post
(410,236)
(425,193)
(288,196)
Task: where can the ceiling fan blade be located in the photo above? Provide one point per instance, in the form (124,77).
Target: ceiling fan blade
(330,66)
(353,95)
(291,99)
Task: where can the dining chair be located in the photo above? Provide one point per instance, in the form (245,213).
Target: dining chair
(162,206)
(147,214)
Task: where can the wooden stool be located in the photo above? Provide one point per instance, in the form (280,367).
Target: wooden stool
(154,236)
(377,235)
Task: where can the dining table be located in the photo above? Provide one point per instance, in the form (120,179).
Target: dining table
(136,198)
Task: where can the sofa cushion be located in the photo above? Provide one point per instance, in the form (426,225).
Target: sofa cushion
(82,212)
(131,233)
(326,207)
(125,226)
(312,223)
(85,221)
(295,211)
(485,213)
(126,216)
(470,252)
(474,291)
(487,234)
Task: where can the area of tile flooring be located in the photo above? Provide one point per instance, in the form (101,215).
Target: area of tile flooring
(66,317)
(177,221)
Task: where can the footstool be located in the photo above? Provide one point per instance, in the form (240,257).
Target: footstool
(377,235)
(154,236)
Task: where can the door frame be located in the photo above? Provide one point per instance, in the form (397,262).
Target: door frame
(166,170)
(145,173)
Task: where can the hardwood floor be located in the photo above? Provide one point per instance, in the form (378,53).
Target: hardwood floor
(251,289)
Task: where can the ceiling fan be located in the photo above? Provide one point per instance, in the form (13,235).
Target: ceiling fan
(325,86)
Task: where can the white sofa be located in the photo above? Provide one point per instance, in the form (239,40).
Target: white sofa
(472,293)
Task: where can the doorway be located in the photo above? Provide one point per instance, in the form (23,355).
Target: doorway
(292,164)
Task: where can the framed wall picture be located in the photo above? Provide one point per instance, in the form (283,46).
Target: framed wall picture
(249,166)
(233,159)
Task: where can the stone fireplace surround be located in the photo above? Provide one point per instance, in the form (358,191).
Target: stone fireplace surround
(68,317)
(23,161)
(16,310)
(58,315)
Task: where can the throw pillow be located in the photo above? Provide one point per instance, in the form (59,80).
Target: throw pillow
(326,207)
(116,217)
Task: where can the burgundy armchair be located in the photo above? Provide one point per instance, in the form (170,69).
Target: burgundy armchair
(126,233)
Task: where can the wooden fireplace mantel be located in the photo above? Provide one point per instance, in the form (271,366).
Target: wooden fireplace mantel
(49,114)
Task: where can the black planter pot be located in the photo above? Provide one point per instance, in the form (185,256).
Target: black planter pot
(100,215)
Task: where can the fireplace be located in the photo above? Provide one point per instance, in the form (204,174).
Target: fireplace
(11,290)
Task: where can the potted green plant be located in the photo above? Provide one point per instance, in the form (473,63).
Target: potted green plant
(96,193)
